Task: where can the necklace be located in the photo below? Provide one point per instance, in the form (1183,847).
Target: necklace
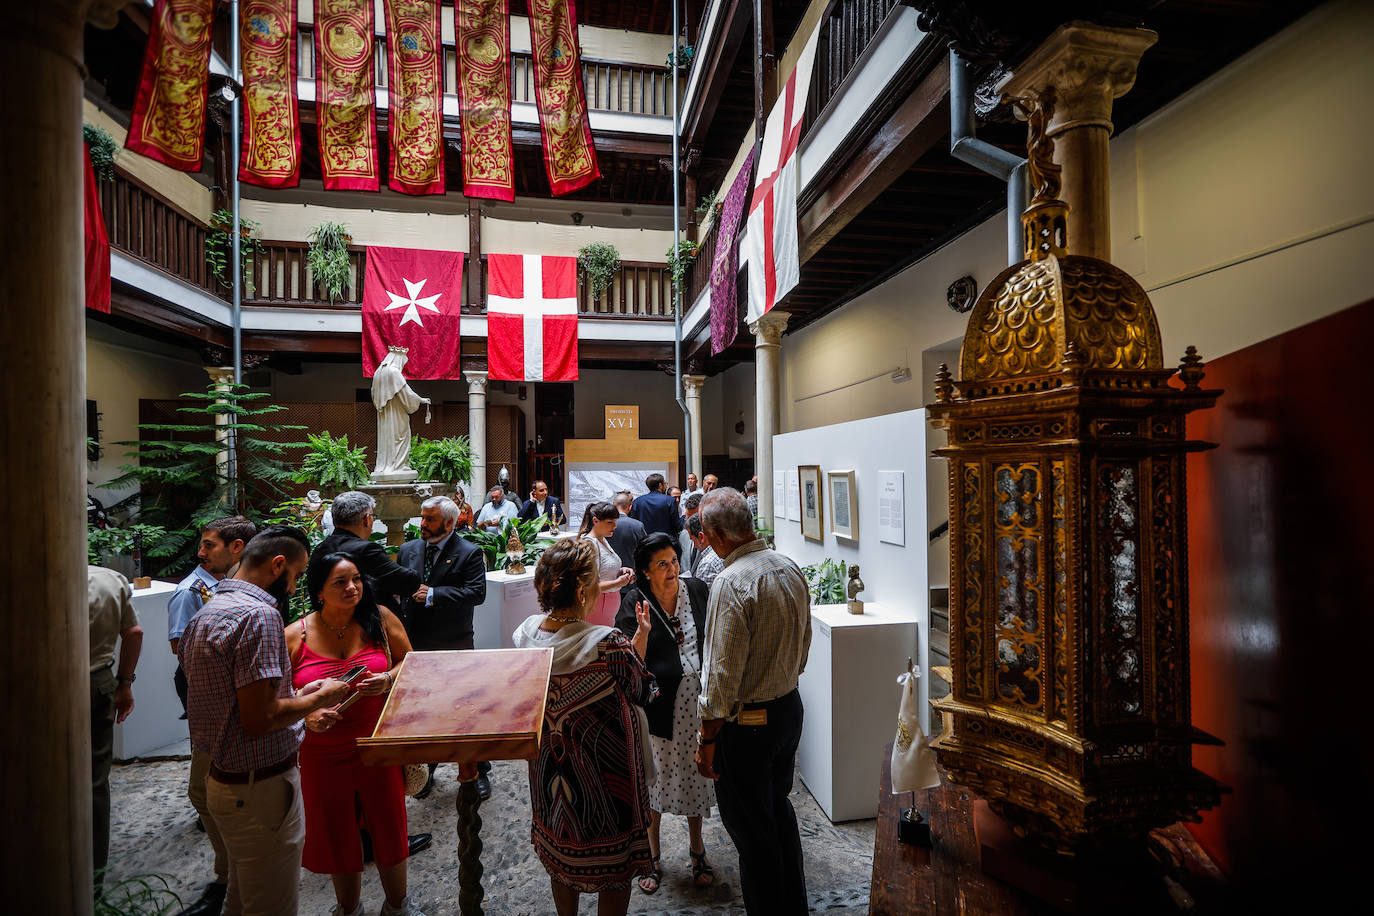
(340,632)
(560,619)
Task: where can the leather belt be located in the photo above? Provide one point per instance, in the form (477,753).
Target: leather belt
(238,779)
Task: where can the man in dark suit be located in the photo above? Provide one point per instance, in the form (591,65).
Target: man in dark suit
(656,509)
(541,501)
(624,540)
(353,514)
(454,581)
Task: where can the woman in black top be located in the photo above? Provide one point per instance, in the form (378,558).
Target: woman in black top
(677,607)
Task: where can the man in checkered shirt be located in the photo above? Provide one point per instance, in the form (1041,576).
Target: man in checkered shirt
(244,713)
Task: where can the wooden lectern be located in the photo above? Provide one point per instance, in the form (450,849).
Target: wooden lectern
(463,707)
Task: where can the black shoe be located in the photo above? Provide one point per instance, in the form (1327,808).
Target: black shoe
(211,902)
(426,789)
(483,787)
(419,842)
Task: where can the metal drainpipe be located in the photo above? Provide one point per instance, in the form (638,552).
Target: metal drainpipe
(236,262)
(677,296)
(965,146)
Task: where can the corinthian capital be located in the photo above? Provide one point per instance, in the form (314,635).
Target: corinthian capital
(768,329)
(1088,67)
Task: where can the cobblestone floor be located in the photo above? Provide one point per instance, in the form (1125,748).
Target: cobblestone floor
(153,832)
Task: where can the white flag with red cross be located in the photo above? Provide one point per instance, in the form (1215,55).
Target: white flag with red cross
(771,241)
(531,318)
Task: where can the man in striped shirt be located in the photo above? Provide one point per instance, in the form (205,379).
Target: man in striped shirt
(244,713)
(758,633)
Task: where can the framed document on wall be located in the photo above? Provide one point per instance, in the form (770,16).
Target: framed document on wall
(812,499)
(844,507)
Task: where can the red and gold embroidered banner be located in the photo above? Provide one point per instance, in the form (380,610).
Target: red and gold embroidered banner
(569,156)
(483,37)
(271,152)
(415,115)
(169,110)
(345,94)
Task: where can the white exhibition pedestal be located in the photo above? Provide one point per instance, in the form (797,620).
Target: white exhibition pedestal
(850,693)
(156,719)
(510,599)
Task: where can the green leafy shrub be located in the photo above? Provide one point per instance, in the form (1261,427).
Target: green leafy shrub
(219,244)
(101,147)
(328,259)
(598,262)
(137,541)
(449,459)
(680,260)
(308,517)
(827,580)
(493,543)
(331,464)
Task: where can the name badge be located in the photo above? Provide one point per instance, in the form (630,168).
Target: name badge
(753,717)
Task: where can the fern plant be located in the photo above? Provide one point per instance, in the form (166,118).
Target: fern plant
(101,148)
(328,259)
(219,244)
(332,464)
(308,516)
(184,484)
(598,262)
(449,460)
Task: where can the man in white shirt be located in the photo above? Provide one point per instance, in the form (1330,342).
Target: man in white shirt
(692,487)
(496,510)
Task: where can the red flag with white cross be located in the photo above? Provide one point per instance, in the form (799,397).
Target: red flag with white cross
(531,318)
(413,298)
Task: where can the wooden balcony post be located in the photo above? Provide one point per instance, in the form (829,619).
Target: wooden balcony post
(474,278)
(765,67)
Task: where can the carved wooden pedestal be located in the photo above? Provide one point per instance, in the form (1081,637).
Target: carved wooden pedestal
(463,707)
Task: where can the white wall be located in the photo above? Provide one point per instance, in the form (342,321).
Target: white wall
(896,577)
(121,368)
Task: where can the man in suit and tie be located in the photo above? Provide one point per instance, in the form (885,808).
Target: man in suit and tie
(438,615)
(624,540)
(541,502)
(656,509)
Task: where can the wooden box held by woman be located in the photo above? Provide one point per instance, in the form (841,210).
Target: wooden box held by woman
(588,790)
(348,628)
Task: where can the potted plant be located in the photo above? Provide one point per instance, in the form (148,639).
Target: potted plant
(332,464)
(328,259)
(448,460)
(682,58)
(219,245)
(100,146)
(680,261)
(826,581)
(598,262)
(132,541)
(709,207)
(492,541)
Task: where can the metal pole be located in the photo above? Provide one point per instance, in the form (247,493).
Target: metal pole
(236,259)
(677,294)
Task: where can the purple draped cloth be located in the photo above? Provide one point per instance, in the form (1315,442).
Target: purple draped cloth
(725,266)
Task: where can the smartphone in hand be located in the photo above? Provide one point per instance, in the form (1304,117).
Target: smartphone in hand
(352,674)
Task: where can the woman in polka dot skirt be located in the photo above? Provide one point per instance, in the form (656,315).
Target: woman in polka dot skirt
(677,607)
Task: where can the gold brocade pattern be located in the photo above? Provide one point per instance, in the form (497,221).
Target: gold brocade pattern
(569,154)
(484,94)
(416,101)
(271,144)
(346,97)
(169,112)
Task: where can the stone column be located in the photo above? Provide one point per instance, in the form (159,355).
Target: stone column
(1086,67)
(767,340)
(45,771)
(691,392)
(222,377)
(477,433)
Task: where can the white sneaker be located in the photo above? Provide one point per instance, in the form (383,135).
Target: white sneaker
(405,909)
(338,910)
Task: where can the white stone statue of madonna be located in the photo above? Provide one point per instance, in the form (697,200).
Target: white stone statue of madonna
(395,402)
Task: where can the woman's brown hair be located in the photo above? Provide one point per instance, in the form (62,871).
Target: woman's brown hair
(565,567)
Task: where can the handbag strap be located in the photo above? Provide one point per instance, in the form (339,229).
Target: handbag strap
(386,646)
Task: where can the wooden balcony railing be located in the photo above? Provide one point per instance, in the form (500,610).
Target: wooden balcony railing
(639,289)
(848,28)
(282,276)
(143,224)
(610,85)
(700,278)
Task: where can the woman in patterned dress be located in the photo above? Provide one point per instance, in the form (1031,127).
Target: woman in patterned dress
(588,796)
(677,608)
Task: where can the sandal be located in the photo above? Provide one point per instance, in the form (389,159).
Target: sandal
(701,869)
(652,875)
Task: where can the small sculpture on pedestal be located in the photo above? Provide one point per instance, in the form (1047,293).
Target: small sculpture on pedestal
(855,586)
(515,555)
(395,402)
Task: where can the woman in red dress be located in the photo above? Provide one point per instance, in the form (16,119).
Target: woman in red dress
(348,628)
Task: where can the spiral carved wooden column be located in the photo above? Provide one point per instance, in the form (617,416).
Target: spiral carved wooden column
(469,803)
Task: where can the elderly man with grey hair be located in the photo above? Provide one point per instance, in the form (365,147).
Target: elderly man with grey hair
(702,562)
(354,512)
(453,577)
(758,634)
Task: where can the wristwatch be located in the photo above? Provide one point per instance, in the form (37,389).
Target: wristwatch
(126,680)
